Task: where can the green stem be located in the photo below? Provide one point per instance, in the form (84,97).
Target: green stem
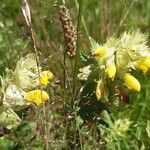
(142,109)
(64,66)
(76,61)
(75,67)
(83,22)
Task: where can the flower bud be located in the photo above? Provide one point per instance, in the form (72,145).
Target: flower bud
(99,52)
(111,71)
(131,82)
(99,89)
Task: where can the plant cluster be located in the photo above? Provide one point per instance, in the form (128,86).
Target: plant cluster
(97,100)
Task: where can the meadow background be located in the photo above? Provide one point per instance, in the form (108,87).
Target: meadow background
(63,127)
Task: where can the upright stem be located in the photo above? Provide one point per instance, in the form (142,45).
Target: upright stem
(75,67)
(64,69)
(76,61)
(83,21)
(149,26)
(39,76)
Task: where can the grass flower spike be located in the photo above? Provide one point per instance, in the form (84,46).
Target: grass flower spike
(36,96)
(131,82)
(111,71)
(99,52)
(46,76)
(99,89)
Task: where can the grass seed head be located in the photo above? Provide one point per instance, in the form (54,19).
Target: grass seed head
(70,33)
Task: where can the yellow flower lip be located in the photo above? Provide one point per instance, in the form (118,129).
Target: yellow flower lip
(146,62)
(99,89)
(111,71)
(46,77)
(99,52)
(36,96)
(144,65)
(131,82)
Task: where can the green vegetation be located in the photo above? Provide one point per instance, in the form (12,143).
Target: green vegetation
(98,98)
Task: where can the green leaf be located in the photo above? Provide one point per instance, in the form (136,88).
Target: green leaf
(107,118)
(94,44)
(6,144)
(84,57)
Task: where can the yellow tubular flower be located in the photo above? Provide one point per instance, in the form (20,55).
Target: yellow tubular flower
(142,67)
(99,89)
(46,76)
(146,62)
(99,52)
(131,82)
(111,71)
(36,96)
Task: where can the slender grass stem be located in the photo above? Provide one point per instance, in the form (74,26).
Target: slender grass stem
(83,21)
(125,15)
(142,108)
(75,67)
(76,60)
(149,26)
(39,76)
(27,15)
(64,69)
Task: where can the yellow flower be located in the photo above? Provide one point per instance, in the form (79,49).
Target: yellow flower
(99,89)
(144,64)
(36,96)
(142,67)
(111,71)
(99,52)
(46,76)
(131,82)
